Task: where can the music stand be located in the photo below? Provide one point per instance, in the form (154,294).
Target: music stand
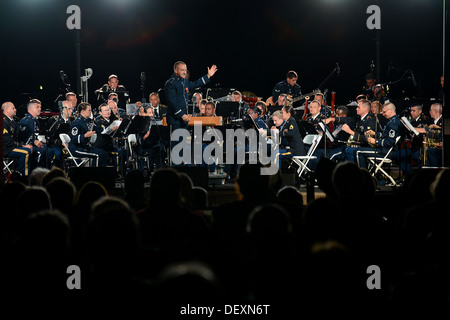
(306,128)
(227,109)
(412,131)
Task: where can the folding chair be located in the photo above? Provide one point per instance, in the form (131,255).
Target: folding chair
(65,139)
(8,164)
(302,161)
(376,163)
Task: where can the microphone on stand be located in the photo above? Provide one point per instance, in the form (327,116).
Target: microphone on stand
(338,69)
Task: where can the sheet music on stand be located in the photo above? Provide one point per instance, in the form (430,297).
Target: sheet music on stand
(408,125)
(109,130)
(327,131)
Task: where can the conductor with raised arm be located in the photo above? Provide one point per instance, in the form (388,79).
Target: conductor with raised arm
(176,91)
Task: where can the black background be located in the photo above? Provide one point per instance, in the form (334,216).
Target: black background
(253,43)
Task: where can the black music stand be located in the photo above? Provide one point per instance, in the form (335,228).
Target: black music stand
(227,109)
(412,132)
(306,128)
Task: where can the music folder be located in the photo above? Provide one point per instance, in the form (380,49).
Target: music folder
(408,125)
(109,129)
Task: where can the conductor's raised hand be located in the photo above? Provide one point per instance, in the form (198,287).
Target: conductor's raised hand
(212,70)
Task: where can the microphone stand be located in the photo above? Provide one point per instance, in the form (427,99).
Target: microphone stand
(143,78)
(328,77)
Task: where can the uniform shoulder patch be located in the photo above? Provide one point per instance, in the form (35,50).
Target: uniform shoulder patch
(291,127)
(22,128)
(391,133)
(5,131)
(74,131)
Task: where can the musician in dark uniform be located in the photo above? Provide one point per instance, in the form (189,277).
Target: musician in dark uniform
(29,131)
(288,86)
(159,110)
(122,113)
(356,128)
(335,151)
(176,91)
(291,135)
(12,148)
(433,133)
(418,120)
(81,131)
(324,109)
(106,141)
(57,125)
(112,86)
(236,96)
(149,145)
(382,140)
(255,114)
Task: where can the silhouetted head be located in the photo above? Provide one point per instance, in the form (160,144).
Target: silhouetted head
(165,186)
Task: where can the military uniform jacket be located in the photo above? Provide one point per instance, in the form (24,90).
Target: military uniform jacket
(78,130)
(391,131)
(435,134)
(421,121)
(28,129)
(56,126)
(360,126)
(162,111)
(10,139)
(291,134)
(315,121)
(176,91)
(284,87)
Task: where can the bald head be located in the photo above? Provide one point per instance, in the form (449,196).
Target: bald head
(67,109)
(9,109)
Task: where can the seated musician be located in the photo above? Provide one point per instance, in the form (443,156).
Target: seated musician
(115,97)
(210,111)
(12,148)
(336,150)
(261,105)
(112,86)
(381,142)
(282,98)
(375,109)
(355,127)
(72,98)
(288,86)
(81,131)
(29,131)
(159,109)
(55,126)
(324,109)
(290,135)
(106,141)
(236,96)
(255,114)
(434,137)
(418,120)
(149,145)
(196,98)
(202,107)
(315,116)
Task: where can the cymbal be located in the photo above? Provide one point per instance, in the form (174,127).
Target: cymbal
(352,104)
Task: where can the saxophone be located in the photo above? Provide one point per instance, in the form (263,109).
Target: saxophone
(92,139)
